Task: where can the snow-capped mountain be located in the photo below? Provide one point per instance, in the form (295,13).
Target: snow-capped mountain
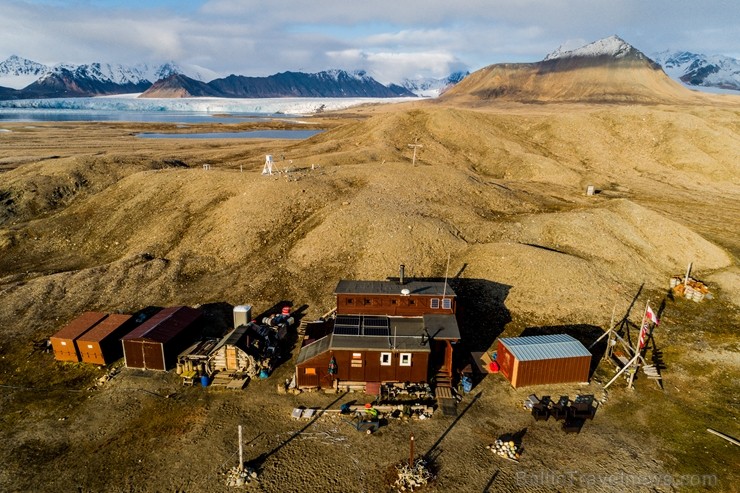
(331,83)
(17,72)
(612,47)
(700,70)
(430,87)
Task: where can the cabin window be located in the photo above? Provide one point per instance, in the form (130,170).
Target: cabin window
(310,371)
(350,301)
(394,301)
(412,302)
(367,301)
(434,303)
(356,361)
(447,303)
(405,359)
(385,359)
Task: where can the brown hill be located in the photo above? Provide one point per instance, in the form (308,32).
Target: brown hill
(589,76)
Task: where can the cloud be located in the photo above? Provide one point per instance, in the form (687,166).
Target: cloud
(389,39)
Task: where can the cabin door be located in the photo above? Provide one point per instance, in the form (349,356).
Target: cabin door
(231,360)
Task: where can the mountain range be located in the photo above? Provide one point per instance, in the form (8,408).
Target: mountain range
(21,78)
(701,70)
(332,84)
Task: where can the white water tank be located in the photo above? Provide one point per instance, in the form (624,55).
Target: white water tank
(242,315)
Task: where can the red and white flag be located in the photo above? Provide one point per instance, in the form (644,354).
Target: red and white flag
(650,315)
(643,335)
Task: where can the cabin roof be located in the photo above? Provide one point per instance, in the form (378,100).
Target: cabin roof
(554,346)
(165,325)
(441,326)
(415,287)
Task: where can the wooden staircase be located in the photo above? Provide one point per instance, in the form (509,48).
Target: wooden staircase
(443,392)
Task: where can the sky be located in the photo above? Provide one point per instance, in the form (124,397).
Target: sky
(390,39)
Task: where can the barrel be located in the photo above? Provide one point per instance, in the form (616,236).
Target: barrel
(204,380)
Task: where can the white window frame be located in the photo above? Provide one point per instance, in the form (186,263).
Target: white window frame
(404,359)
(386,359)
(434,303)
(447,303)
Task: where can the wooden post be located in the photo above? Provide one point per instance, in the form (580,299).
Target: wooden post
(722,435)
(639,348)
(686,278)
(241,450)
(411,453)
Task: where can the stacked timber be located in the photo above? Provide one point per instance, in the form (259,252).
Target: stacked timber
(691,289)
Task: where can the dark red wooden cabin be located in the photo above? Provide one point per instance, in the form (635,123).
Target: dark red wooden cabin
(384,331)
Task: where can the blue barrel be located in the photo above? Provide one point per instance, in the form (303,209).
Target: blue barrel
(204,380)
(467,384)
(264,373)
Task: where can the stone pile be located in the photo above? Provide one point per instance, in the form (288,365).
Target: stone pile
(240,477)
(507,450)
(410,478)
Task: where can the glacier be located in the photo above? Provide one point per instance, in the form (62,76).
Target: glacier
(129,103)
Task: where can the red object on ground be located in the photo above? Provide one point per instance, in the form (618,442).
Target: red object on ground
(286,310)
(494,367)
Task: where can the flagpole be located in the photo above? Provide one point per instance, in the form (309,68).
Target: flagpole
(639,346)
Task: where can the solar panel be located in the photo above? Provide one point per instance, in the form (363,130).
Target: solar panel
(375,322)
(346,330)
(350,320)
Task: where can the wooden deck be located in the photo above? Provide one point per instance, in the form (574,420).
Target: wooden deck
(446,401)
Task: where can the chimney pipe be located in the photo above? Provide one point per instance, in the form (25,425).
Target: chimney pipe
(400,275)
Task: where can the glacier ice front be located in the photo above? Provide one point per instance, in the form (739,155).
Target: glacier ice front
(126,105)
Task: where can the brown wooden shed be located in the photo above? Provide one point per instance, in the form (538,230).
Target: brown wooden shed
(156,343)
(101,345)
(546,359)
(63,342)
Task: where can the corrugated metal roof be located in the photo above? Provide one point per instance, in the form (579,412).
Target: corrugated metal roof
(80,325)
(110,324)
(554,346)
(315,348)
(165,325)
(426,288)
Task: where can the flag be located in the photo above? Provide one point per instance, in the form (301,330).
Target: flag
(651,315)
(643,335)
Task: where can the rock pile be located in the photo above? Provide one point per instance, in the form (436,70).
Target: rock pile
(240,477)
(507,450)
(410,478)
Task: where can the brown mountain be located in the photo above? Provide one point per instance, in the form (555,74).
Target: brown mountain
(606,71)
(179,86)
